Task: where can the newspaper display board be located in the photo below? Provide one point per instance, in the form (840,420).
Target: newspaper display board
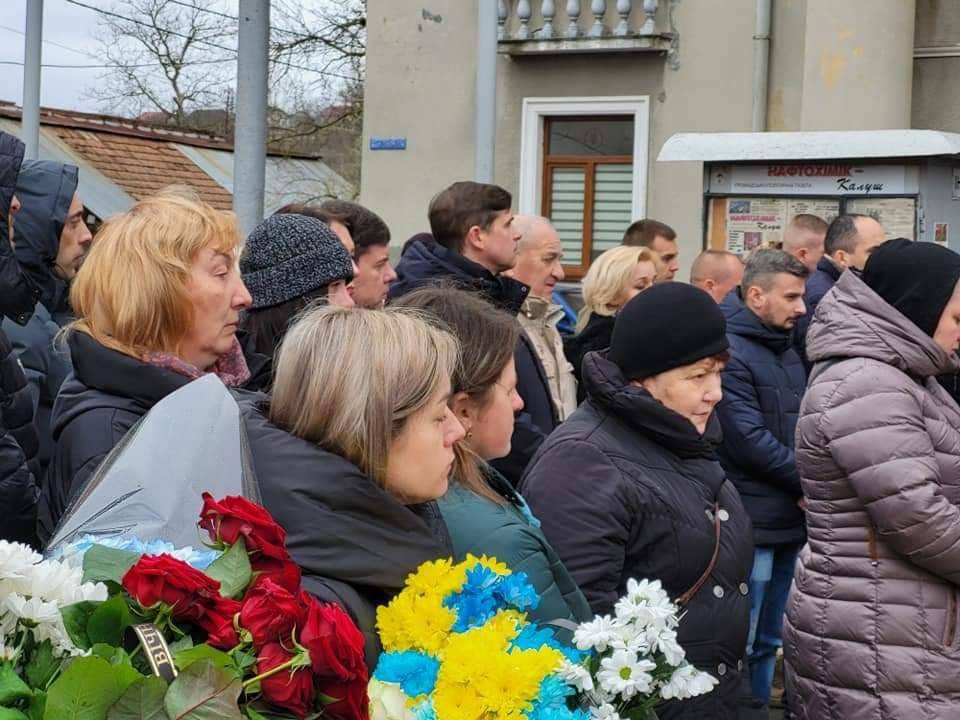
(740,225)
(897,215)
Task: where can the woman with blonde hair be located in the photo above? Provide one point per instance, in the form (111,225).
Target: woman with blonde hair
(352,448)
(157,303)
(614,278)
(484,513)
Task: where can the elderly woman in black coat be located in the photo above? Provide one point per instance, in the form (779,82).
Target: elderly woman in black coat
(630,487)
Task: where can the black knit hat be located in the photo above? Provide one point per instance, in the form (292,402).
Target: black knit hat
(668,326)
(288,256)
(917,278)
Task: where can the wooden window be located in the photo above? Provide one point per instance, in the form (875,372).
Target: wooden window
(588,184)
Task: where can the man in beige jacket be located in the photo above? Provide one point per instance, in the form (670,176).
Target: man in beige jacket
(539,253)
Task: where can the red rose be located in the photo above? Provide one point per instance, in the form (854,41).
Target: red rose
(352,701)
(292,691)
(334,642)
(284,573)
(235,517)
(164,579)
(218,622)
(270,613)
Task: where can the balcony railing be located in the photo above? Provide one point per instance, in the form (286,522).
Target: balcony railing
(572,26)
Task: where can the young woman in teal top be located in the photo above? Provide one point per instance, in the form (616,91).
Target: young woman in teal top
(483,513)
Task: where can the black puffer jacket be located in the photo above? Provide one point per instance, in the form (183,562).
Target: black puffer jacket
(626,488)
(19,294)
(105,396)
(354,543)
(426,263)
(594,337)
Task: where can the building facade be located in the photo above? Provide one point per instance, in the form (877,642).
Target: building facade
(584,107)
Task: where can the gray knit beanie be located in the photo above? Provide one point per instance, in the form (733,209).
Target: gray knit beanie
(288,256)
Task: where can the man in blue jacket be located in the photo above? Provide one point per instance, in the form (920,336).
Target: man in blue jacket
(763,384)
(474,242)
(849,241)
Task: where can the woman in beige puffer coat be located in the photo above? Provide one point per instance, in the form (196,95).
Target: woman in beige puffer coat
(872,626)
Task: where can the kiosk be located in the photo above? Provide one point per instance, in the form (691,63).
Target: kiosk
(755,183)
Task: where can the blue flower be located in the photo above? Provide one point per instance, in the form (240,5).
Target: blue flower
(553,693)
(477,600)
(515,590)
(415,672)
(424,710)
(533,637)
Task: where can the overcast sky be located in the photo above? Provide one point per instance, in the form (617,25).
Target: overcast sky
(69,39)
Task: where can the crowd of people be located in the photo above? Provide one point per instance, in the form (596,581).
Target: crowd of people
(777,441)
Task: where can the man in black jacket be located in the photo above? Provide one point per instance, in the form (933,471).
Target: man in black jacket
(19,468)
(52,240)
(474,242)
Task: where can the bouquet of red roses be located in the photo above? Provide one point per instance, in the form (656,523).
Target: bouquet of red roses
(238,639)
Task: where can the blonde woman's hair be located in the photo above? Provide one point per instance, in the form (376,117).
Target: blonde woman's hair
(348,379)
(607,278)
(131,293)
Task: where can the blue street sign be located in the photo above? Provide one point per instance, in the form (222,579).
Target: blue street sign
(388,143)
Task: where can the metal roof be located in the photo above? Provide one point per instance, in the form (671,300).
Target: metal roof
(824,145)
(288,179)
(100,194)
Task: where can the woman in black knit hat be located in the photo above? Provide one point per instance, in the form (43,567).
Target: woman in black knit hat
(289,262)
(629,486)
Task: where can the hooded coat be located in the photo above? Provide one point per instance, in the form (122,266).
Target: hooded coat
(107,394)
(872,621)
(626,488)
(763,384)
(19,445)
(45,190)
(355,544)
(426,262)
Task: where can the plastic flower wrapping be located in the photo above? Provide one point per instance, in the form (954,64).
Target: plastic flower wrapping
(457,646)
(74,552)
(634,661)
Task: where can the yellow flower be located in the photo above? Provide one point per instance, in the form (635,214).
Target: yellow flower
(492,563)
(459,702)
(438,577)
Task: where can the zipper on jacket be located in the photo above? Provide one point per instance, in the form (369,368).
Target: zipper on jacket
(951,618)
(872,545)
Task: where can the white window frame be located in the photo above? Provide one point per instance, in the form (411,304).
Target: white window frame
(535,109)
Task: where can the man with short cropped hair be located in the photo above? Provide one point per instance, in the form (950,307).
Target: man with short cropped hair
(373,274)
(539,266)
(661,239)
(716,272)
(849,241)
(803,238)
(763,384)
(474,242)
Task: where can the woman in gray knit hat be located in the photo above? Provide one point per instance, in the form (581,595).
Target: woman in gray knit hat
(289,262)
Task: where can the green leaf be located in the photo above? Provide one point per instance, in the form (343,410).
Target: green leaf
(142,701)
(244,660)
(180,644)
(102,564)
(75,619)
(113,655)
(42,666)
(12,714)
(232,569)
(204,692)
(186,658)
(12,688)
(38,703)
(87,689)
(108,621)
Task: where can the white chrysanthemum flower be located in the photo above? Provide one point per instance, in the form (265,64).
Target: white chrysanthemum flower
(388,702)
(687,682)
(666,642)
(15,559)
(624,674)
(576,675)
(51,580)
(42,617)
(597,634)
(604,712)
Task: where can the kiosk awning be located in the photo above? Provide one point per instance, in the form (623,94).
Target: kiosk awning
(823,145)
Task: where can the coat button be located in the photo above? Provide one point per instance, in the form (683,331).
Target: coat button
(718,591)
(740,665)
(721,669)
(723,515)
(744,588)
(709,514)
